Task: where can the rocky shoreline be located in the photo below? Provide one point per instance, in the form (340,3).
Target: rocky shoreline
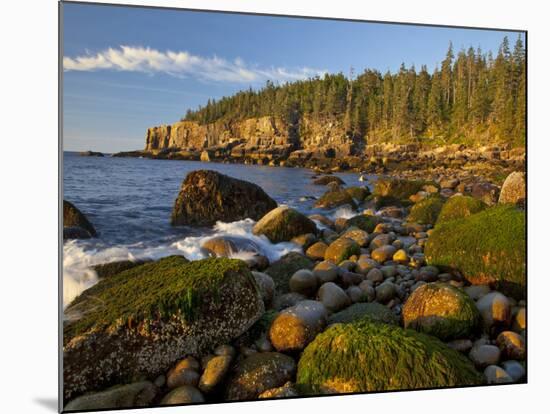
(423,287)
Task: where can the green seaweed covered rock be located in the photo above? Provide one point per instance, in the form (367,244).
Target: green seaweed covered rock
(358,193)
(366,356)
(359,311)
(487,248)
(335,198)
(459,207)
(363,222)
(397,188)
(140,321)
(284,223)
(109,269)
(282,270)
(426,211)
(441,310)
(341,249)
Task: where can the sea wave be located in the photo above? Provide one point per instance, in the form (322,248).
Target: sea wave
(79,258)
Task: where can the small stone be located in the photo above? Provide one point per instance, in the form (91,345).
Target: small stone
(304,240)
(181,377)
(385,292)
(520,321)
(514,369)
(317,251)
(495,310)
(287,300)
(368,290)
(388,271)
(185,394)
(361,237)
(381,240)
(266,285)
(355,294)
(341,249)
(364,265)
(375,275)
(333,297)
(214,372)
(381,254)
(512,345)
(304,282)
(477,291)
(496,375)
(400,256)
(325,271)
(484,355)
(263,345)
(350,278)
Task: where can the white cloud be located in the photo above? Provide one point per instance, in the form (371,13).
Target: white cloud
(183,64)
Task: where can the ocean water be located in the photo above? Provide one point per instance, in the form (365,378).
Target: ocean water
(129,202)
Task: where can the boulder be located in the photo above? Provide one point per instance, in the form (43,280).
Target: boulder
(367,356)
(495,310)
(514,189)
(138,394)
(363,222)
(140,321)
(109,269)
(325,271)
(486,192)
(286,391)
(514,369)
(341,249)
(487,248)
(359,311)
(284,223)
(296,326)
(73,217)
(426,211)
(282,269)
(383,253)
(227,246)
(303,281)
(361,237)
(460,207)
(74,232)
(441,310)
(335,198)
(266,285)
(208,196)
(259,373)
(358,193)
(326,179)
(396,188)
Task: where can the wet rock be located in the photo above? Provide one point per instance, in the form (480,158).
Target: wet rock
(520,320)
(477,291)
(514,369)
(361,237)
(139,394)
(341,249)
(359,311)
(282,269)
(304,282)
(259,373)
(296,326)
(385,292)
(317,251)
(382,254)
(304,240)
(335,198)
(75,233)
(183,373)
(73,217)
(325,271)
(375,275)
(214,372)
(227,246)
(208,196)
(326,179)
(495,310)
(400,256)
(266,285)
(364,265)
(333,297)
(286,391)
(484,355)
(283,223)
(287,300)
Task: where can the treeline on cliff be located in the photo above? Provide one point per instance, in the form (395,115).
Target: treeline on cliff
(471,97)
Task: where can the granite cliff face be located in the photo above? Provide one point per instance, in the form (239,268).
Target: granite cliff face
(262,135)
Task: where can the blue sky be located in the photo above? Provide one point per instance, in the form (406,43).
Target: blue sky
(126,69)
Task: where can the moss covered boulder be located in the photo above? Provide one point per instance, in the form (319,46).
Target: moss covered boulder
(258,373)
(139,322)
(282,270)
(359,311)
(397,188)
(366,356)
(109,269)
(426,211)
(73,217)
(207,196)
(283,224)
(335,198)
(341,249)
(363,222)
(459,207)
(487,248)
(441,310)
(358,193)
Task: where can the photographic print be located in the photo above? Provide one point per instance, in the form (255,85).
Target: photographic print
(261,206)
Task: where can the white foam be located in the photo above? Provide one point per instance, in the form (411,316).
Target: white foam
(343,212)
(78,258)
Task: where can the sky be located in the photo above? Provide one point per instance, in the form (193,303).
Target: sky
(126,69)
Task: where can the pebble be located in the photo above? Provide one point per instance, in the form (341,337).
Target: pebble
(368,290)
(333,297)
(214,372)
(514,369)
(317,251)
(496,375)
(350,278)
(477,291)
(400,256)
(381,254)
(183,395)
(355,294)
(512,345)
(389,271)
(385,292)
(304,282)
(365,264)
(225,350)
(520,321)
(325,271)
(375,275)
(494,309)
(484,355)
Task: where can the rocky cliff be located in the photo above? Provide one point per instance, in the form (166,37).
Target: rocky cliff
(262,135)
